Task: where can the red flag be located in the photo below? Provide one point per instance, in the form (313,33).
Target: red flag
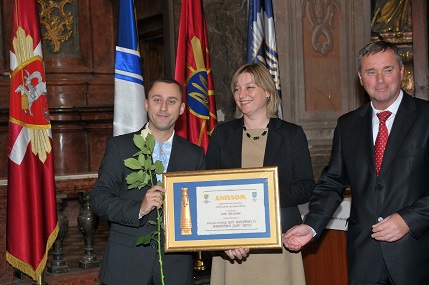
(193,71)
(31,203)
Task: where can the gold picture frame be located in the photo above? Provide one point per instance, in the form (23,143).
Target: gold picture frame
(222,209)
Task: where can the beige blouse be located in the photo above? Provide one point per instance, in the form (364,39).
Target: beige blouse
(253,151)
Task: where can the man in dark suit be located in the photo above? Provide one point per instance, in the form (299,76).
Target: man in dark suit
(388,239)
(128,211)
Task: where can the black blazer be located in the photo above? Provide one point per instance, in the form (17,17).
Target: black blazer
(402,187)
(286,148)
(124,262)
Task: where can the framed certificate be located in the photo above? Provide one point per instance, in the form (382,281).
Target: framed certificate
(222,209)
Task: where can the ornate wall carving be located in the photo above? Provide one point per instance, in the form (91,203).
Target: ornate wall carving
(320,15)
(58,21)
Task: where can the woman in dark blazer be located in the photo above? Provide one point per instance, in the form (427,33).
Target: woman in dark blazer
(257,138)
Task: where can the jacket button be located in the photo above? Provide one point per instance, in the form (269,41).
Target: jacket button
(379,219)
(378,187)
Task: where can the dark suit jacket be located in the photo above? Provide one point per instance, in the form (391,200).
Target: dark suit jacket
(124,262)
(402,187)
(286,148)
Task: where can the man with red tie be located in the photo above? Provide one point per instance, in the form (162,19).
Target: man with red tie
(380,151)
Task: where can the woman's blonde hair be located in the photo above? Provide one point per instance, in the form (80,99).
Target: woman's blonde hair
(263,79)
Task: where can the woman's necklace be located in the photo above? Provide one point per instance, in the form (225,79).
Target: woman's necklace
(255,137)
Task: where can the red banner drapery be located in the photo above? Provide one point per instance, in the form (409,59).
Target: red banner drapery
(193,71)
(31,203)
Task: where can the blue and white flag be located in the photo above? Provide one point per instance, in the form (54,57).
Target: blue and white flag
(261,43)
(129,112)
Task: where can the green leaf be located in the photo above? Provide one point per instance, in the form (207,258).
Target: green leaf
(131,186)
(153,223)
(132,163)
(161,184)
(133,177)
(138,153)
(159,168)
(147,164)
(139,142)
(146,178)
(142,160)
(134,185)
(150,142)
(144,240)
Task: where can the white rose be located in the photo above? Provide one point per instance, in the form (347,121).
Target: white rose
(144,133)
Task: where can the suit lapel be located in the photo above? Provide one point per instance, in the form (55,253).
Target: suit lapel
(175,155)
(364,128)
(274,143)
(234,142)
(403,122)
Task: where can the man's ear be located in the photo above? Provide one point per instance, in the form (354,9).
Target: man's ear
(402,72)
(182,108)
(146,105)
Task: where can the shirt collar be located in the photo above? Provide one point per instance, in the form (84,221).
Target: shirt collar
(170,140)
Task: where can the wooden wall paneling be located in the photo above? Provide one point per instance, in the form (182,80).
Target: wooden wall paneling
(4,124)
(152,53)
(151,41)
(97,144)
(325,261)
(170,41)
(1,41)
(100,90)
(4,90)
(66,90)
(80,136)
(6,272)
(70,142)
(99,131)
(2,46)
(103,21)
(5,32)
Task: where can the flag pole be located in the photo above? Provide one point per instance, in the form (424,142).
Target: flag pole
(40,280)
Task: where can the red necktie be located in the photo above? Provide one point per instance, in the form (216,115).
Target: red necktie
(381,140)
